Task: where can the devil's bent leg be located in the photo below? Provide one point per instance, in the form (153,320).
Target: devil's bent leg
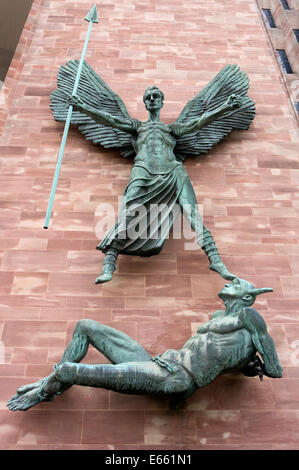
(114,344)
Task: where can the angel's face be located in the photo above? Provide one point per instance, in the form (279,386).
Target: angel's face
(153,100)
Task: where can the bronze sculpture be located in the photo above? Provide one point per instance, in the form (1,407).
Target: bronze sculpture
(228,342)
(158,176)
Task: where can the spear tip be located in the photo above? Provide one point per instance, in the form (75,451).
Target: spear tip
(92,16)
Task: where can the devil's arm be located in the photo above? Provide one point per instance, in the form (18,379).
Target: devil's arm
(101,117)
(263,342)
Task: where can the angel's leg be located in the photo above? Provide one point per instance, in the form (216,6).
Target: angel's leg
(188,203)
(111,254)
(109,266)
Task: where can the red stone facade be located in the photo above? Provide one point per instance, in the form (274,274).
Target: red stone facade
(248,186)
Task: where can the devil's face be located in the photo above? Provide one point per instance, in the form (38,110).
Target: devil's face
(237,289)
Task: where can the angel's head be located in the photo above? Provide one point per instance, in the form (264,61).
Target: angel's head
(153,98)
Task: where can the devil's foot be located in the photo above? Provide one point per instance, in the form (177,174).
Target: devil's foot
(28,387)
(25,400)
(220,268)
(106,274)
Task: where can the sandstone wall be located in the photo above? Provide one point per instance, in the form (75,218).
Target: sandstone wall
(248,186)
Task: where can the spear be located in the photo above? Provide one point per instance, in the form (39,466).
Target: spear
(92,17)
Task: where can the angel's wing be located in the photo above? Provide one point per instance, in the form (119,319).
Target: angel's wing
(94,92)
(231,80)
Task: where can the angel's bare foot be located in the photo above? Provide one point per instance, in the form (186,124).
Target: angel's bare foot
(219,267)
(106,274)
(29,396)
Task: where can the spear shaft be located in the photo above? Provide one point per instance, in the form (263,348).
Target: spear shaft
(92,17)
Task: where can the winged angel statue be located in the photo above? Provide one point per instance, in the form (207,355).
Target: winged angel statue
(158,176)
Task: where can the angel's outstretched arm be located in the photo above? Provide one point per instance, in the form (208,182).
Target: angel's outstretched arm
(180,129)
(101,117)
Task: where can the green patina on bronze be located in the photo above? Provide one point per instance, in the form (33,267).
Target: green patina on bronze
(159,150)
(234,340)
(92,15)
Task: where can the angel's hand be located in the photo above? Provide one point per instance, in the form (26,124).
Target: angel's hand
(74,101)
(233,102)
